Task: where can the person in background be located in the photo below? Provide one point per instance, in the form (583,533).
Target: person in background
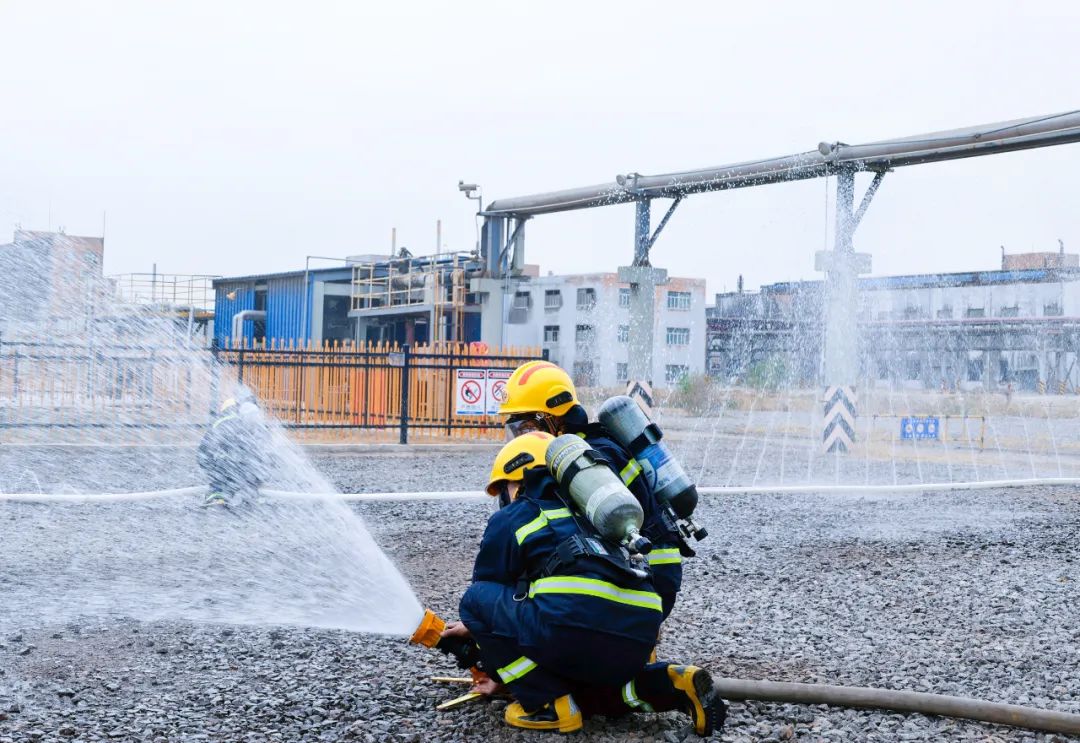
(235,451)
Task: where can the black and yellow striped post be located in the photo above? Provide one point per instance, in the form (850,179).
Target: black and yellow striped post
(838,430)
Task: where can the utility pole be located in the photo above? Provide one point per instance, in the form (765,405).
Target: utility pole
(842,265)
(643,280)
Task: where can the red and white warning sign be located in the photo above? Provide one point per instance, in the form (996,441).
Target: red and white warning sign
(496,388)
(471,392)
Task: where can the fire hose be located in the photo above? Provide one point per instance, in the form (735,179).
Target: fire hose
(1012,715)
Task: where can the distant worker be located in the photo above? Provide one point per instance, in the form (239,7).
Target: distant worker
(540,396)
(567,633)
(235,451)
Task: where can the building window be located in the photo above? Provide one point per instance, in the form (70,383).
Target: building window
(586,299)
(584,335)
(583,373)
(914,369)
(945,313)
(1013,311)
(624,334)
(551,334)
(552,299)
(1053,310)
(622,372)
(624,297)
(522,300)
(675,373)
(912,312)
(678,336)
(678,300)
(975,312)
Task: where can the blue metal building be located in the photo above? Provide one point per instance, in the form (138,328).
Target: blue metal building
(400,299)
(295,302)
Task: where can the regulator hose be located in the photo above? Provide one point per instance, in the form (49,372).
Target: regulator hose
(942,705)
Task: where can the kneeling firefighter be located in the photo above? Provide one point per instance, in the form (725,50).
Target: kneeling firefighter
(235,451)
(562,614)
(540,396)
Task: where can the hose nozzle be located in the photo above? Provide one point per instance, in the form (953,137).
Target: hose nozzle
(429,632)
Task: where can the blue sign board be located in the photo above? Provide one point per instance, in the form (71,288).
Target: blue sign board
(920,428)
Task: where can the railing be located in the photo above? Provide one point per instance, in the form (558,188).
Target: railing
(337,391)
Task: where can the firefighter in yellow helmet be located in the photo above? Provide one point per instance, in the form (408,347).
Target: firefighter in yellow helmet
(540,396)
(566,634)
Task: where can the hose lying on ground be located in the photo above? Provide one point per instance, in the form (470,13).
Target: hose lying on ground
(478,495)
(900,701)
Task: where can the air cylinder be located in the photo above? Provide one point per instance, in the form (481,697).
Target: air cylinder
(642,438)
(597,491)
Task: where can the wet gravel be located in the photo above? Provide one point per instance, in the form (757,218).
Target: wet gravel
(974,594)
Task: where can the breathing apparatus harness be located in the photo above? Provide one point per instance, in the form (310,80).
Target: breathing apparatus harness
(587,550)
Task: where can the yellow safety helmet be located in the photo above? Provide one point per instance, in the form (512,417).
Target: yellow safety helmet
(523,453)
(539,387)
(228,403)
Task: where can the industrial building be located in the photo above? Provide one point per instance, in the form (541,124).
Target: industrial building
(401,299)
(1018,325)
(49,277)
(581,320)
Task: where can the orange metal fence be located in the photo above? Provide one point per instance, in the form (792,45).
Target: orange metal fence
(336,391)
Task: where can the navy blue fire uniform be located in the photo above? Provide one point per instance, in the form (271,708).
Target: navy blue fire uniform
(543,633)
(665,557)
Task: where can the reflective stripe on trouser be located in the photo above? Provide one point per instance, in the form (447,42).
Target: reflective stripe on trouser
(596,588)
(666,556)
(630,472)
(630,698)
(516,670)
(540,522)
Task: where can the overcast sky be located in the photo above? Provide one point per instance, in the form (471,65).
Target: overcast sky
(238,137)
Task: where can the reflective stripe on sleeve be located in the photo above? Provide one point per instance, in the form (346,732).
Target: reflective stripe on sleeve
(630,472)
(597,588)
(515,670)
(540,522)
(666,556)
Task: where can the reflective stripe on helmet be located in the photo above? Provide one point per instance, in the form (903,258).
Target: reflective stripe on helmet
(540,522)
(596,588)
(667,556)
(515,670)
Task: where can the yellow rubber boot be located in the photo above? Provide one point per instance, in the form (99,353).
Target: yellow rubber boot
(562,715)
(703,704)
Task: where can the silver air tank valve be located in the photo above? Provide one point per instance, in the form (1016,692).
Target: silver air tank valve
(597,492)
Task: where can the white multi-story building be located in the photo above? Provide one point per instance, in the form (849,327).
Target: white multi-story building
(583,322)
(1018,325)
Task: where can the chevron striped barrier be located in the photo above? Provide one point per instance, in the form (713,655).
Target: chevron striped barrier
(838,428)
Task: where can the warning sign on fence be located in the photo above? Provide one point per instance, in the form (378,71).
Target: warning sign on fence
(480,391)
(496,388)
(471,392)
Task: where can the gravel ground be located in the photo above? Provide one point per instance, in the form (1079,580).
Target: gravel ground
(969,593)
